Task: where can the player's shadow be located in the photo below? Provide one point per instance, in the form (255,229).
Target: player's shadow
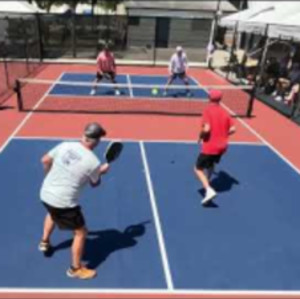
(101,244)
(222,183)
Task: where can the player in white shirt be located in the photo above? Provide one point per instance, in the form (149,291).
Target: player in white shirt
(177,68)
(69,167)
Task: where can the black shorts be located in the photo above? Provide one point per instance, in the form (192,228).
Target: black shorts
(179,75)
(106,75)
(66,219)
(205,161)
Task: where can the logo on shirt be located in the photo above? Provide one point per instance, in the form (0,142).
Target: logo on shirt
(70,158)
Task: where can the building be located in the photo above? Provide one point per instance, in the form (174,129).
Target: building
(165,24)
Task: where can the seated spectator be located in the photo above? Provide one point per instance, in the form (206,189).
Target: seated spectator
(270,75)
(291,98)
(285,84)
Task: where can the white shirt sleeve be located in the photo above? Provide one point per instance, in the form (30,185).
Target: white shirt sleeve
(53,153)
(95,175)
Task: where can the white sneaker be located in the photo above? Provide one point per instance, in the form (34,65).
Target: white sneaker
(279,99)
(210,195)
(93,92)
(117,92)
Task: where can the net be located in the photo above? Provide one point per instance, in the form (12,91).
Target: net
(87,97)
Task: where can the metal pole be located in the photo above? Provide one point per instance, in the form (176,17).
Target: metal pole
(39,37)
(73,30)
(262,59)
(155,42)
(213,28)
(232,49)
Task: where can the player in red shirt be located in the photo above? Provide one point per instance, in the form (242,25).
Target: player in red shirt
(217,126)
(106,68)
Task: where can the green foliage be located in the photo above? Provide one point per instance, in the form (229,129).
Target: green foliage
(107,4)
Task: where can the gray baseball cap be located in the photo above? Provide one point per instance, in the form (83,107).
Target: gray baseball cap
(94,131)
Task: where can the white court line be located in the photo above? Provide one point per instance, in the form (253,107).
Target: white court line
(130,86)
(174,141)
(158,292)
(27,117)
(158,226)
(124,97)
(259,136)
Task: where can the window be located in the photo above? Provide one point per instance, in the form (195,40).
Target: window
(134,21)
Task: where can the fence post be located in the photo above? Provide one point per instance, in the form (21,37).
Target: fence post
(73,33)
(155,42)
(26,50)
(39,36)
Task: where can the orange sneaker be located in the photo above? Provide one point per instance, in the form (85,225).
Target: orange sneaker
(81,273)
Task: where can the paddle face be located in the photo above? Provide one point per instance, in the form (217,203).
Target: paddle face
(113,151)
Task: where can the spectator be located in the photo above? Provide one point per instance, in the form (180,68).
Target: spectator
(285,84)
(270,75)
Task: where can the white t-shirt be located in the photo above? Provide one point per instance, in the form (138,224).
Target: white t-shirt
(73,167)
(178,64)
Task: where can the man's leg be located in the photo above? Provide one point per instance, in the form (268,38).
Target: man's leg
(170,81)
(49,226)
(112,78)
(99,77)
(205,163)
(185,80)
(78,247)
(77,270)
(210,172)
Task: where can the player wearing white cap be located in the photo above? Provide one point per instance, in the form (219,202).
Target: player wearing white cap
(177,67)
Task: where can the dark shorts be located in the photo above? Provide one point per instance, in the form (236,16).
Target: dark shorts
(66,219)
(179,75)
(205,161)
(108,75)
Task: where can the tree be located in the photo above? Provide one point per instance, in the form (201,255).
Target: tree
(111,4)
(107,4)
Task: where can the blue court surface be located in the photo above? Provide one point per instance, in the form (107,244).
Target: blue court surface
(147,227)
(130,91)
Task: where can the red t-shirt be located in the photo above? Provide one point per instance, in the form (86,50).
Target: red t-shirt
(220,122)
(106,62)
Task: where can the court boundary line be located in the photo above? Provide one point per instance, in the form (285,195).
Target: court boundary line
(27,117)
(154,292)
(157,221)
(259,136)
(130,86)
(135,98)
(129,140)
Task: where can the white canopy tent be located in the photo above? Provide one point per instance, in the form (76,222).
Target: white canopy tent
(18,7)
(258,24)
(244,15)
(288,28)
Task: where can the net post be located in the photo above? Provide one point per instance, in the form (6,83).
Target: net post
(251,101)
(17,89)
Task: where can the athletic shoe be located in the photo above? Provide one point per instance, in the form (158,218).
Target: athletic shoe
(93,92)
(279,98)
(210,195)
(81,273)
(117,92)
(44,246)
(165,93)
